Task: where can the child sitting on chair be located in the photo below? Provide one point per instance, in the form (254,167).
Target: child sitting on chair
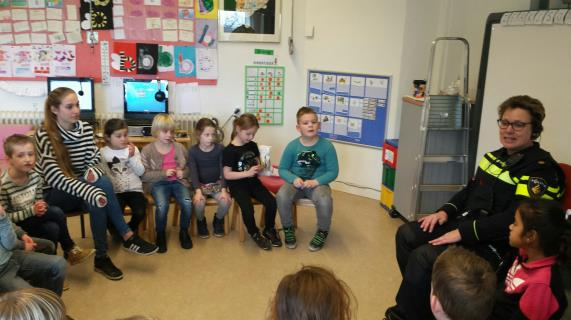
(308,165)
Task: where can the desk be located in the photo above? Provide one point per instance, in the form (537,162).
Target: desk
(140,142)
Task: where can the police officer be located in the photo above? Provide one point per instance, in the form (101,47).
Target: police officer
(478,216)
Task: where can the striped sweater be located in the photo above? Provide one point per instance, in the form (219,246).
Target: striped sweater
(18,200)
(83,154)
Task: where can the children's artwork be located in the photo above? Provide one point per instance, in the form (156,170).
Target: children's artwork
(64,60)
(152,2)
(147,56)
(186,13)
(19,3)
(206,63)
(101,15)
(5,61)
(5,3)
(36,3)
(166,58)
(124,59)
(206,33)
(354,105)
(186,3)
(265,93)
(206,9)
(55,3)
(22,62)
(185,59)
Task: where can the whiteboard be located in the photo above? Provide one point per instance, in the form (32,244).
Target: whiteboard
(533,60)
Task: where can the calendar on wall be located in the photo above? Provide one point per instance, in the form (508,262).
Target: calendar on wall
(264,93)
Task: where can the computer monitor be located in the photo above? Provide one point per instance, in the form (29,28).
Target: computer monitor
(83,87)
(143,100)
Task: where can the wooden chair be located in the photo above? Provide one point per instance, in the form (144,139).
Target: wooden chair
(210,202)
(82,214)
(236,217)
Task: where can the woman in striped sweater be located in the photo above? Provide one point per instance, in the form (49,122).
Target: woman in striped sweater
(68,161)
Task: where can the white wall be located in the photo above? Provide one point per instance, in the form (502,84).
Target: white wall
(364,36)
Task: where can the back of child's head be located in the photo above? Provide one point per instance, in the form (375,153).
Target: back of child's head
(547,219)
(15,140)
(162,122)
(464,284)
(312,293)
(202,124)
(113,125)
(244,122)
(303,111)
(31,304)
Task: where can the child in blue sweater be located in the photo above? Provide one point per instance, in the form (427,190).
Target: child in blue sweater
(308,165)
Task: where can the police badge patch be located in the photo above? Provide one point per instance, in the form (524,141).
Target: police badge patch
(536,187)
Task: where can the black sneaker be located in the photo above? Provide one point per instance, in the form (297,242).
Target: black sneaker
(139,246)
(185,240)
(261,241)
(202,229)
(162,242)
(289,235)
(273,236)
(107,268)
(318,240)
(218,227)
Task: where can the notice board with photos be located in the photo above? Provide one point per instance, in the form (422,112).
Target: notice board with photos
(351,107)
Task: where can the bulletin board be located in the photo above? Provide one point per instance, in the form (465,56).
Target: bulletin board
(351,107)
(144,39)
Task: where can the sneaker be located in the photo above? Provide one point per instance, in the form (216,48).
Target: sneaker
(273,236)
(393,313)
(261,241)
(161,242)
(218,227)
(139,246)
(289,235)
(185,240)
(77,255)
(318,240)
(65,285)
(107,268)
(202,229)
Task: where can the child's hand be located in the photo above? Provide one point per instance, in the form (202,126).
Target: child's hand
(179,173)
(253,171)
(40,208)
(29,244)
(170,172)
(225,196)
(198,197)
(131,149)
(310,184)
(298,183)
(2,212)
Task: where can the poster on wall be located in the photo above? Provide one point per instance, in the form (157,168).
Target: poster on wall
(351,107)
(265,93)
(249,20)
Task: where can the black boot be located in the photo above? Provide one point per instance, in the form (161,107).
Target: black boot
(162,242)
(203,229)
(218,226)
(185,240)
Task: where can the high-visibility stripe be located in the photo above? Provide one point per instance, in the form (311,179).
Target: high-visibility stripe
(496,171)
(522,190)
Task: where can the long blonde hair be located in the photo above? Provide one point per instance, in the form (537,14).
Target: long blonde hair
(54,99)
(31,304)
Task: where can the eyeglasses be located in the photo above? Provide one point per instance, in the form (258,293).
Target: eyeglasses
(516,125)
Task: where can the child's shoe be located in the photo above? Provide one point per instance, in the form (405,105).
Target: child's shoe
(273,236)
(261,241)
(162,242)
(185,240)
(107,268)
(139,246)
(318,240)
(218,227)
(202,229)
(77,255)
(289,235)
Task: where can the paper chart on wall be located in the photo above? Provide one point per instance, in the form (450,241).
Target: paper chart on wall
(264,93)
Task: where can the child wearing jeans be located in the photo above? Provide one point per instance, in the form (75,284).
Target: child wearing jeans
(241,160)
(122,161)
(308,165)
(166,176)
(205,164)
(21,192)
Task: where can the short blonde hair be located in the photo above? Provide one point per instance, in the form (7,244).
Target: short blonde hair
(31,304)
(162,122)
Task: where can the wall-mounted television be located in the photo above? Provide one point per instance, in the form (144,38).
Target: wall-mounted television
(143,99)
(83,87)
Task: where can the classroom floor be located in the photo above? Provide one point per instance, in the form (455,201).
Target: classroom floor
(221,278)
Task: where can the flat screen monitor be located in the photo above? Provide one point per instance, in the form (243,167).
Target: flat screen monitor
(144,99)
(83,87)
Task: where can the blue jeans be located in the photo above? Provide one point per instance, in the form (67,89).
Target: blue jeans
(27,268)
(320,196)
(162,191)
(97,216)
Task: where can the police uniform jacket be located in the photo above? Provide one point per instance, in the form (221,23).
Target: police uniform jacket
(486,206)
